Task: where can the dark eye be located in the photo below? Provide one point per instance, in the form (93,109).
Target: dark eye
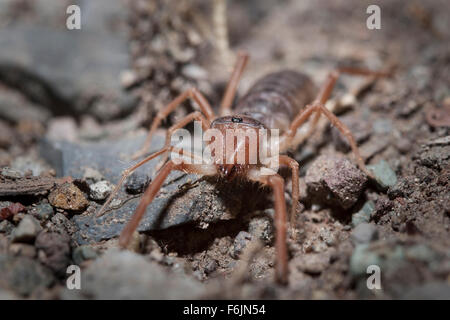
(236,120)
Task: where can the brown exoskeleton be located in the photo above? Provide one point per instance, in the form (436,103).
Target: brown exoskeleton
(283,100)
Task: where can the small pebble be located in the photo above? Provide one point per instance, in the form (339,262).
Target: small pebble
(327,236)
(384,175)
(364,214)
(6,227)
(334,180)
(11,210)
(115,203)
(101,190)
(54,250)
(11,173)
(374,146)
(128,78)
(261,228)
(316,218)
(59,223)
(83,253)
(361,258)
(137,182)
(92,176)
(27,230)
(68,197)
(43,211)
(403,145)
(348,100)
(211,266)
(194,72)
(240,242)
(364,233)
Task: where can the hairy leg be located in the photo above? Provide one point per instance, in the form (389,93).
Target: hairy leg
(276,182)
(347,133)
(231,89)
(328,87)
(293,165)
(193,94)
(153,189)
(126,173)
(318,107)
(286,139)
(300,138)
(196,115)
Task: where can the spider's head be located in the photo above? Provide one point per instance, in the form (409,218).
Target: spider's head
(234,144)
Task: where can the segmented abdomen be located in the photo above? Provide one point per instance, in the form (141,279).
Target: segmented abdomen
(276,98)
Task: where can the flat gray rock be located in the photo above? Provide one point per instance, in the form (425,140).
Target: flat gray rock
(183,198)
(108,157)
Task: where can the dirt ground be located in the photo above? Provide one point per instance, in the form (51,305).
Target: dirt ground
(65,132)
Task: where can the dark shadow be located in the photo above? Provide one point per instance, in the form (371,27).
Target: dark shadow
(190,239)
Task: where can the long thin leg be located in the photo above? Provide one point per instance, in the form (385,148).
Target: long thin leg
(281,264)
(196,115)
(131,169)
(276,182)
(125,175)
(151,192)
(287,138)
(293,165)
(347,133)
(148,196)
(318,106)
(230,92)
(325,93)
(298,139)
(192,93)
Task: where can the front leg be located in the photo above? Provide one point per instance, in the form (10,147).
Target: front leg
(153,189)
(194,116)
(293,165)
(127,172)
(193,94)
(318,107)
(276,182)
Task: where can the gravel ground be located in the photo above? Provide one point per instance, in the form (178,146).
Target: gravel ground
(74,105)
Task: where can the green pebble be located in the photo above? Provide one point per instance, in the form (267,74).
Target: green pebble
(364,214)
(83,253)
(384,175)
(44,211)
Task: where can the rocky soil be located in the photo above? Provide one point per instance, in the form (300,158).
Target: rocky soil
(74,106)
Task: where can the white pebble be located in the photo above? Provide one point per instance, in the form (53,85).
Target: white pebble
(100,190)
